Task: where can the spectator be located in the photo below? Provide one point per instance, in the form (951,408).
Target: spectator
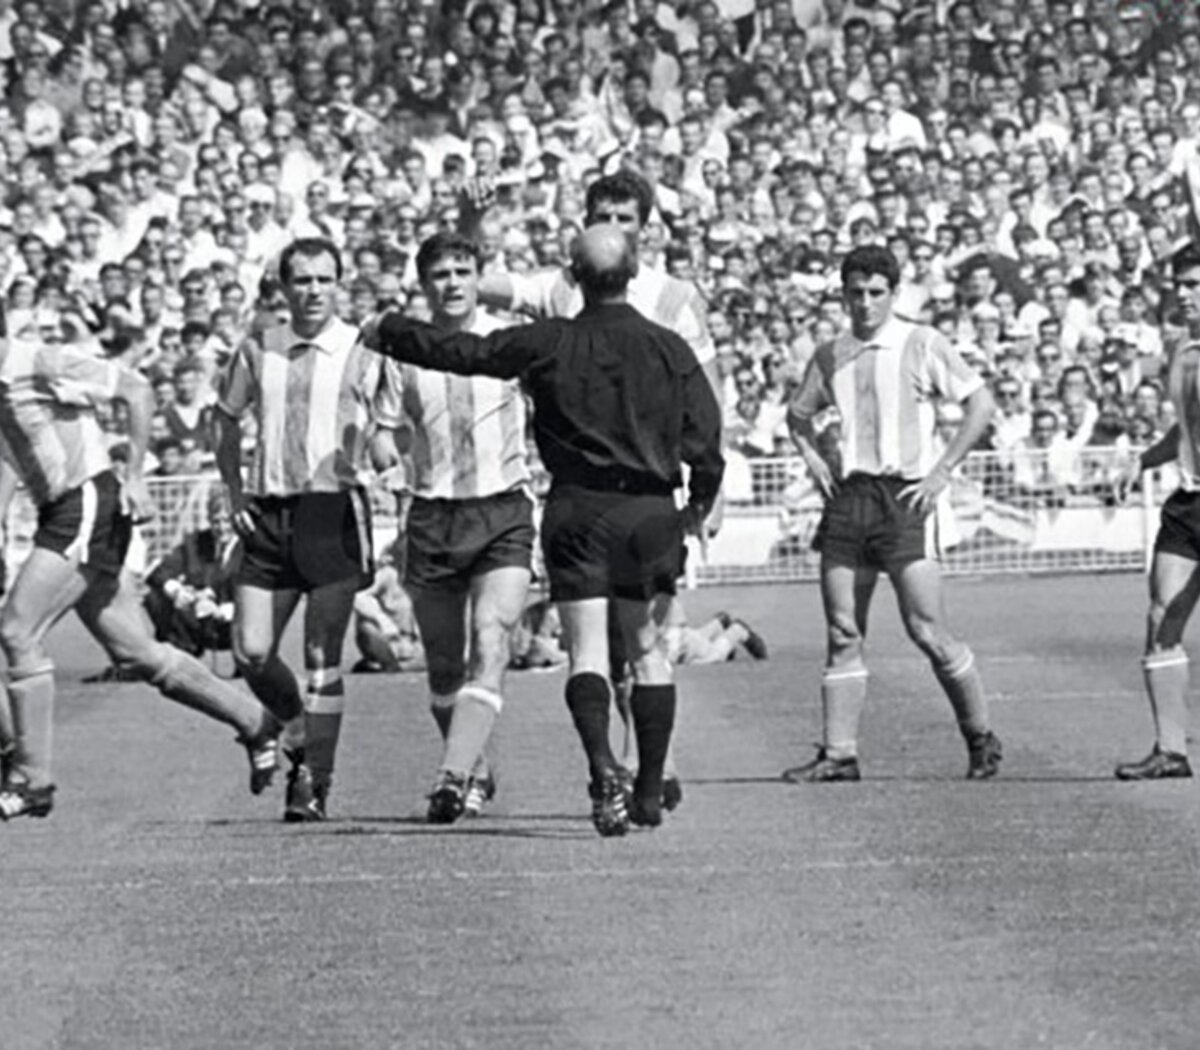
(1043,464)
(189,592)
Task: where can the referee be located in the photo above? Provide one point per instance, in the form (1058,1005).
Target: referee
(619,404)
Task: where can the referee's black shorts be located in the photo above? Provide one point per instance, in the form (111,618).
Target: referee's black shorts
(307,541)
(611,544)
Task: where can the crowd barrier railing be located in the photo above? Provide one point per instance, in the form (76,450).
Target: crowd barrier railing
(1005,512)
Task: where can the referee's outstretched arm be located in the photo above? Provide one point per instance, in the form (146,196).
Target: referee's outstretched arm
(504,354)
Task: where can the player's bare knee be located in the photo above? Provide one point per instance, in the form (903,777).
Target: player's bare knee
(489,649)
(18,642)
(151,662)
(843,635)
(1165,625)
(928,636)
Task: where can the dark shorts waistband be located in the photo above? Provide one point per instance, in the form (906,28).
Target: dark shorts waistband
(626,482)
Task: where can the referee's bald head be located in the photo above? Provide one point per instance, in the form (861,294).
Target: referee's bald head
(604,261)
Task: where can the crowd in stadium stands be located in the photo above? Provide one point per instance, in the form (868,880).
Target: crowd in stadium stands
(1032,164)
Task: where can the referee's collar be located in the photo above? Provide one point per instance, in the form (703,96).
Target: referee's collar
(335,337)
(595,308)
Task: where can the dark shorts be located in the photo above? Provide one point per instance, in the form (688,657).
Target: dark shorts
(1179,528)
(88,523)
(308,541)
(611,544)
(866,525)
(448,542)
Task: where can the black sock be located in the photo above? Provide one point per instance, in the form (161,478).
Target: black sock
(653,708)
(588,698)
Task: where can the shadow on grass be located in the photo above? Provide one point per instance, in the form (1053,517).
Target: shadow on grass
(574,826)
(912,778)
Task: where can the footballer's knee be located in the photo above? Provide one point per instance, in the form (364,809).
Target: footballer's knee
(844,638)
(151,662)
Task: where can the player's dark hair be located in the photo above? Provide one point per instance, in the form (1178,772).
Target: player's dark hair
(869,260)
(618,188)
(310,248)
(1187,258)
(440,245)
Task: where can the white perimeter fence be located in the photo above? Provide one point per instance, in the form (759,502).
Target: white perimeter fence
(1016,512)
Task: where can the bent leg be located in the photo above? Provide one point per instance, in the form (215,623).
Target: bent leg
(919,592)
(112,613)
(497,600)
(45,588)
(846,593)
(260,617)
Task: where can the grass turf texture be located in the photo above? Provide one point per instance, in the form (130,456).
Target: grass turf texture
(163,907)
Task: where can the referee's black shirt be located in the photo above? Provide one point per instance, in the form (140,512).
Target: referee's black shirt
(619,402)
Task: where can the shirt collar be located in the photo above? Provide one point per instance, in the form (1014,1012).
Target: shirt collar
(334,338)
(882,339)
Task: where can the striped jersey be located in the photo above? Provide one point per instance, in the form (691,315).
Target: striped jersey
(468,431)
(1183,388)
(664,299)
(49,429)
(886,392)
(312,401)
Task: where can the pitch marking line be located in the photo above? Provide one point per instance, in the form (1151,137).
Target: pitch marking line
(986,863)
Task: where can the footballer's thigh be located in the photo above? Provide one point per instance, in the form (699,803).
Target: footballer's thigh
(260,616)
(47,586)
(497,601)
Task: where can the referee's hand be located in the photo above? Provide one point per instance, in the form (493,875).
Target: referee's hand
(691,519)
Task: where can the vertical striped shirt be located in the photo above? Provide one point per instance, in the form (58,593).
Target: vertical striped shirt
(1183,388)
(311,399)
(468,431)
(664,299)
(886,391)
(49,430)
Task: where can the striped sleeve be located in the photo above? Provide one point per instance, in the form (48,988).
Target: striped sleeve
(237,385)
(812,395)
(387,407)
(691,322)
(949,375)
